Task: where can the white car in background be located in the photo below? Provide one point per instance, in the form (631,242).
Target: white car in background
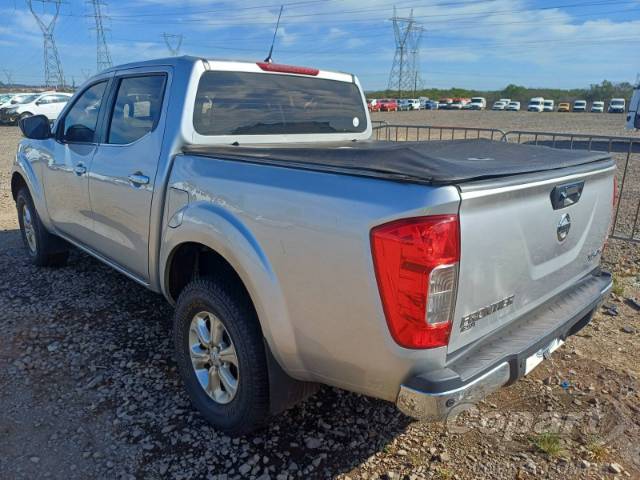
(513,106)
(414,103)
(597,107)
(548,106)
(499,105)
(536,104)
(5,99)
(580,106)
(49,104)
(477,103)
(506,101)
(617,105)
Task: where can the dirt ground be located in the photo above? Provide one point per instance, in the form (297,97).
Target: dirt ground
(89,388)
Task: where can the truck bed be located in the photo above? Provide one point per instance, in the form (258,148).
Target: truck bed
(432,163)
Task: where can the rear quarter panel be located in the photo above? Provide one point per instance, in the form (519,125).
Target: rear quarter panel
(300,242)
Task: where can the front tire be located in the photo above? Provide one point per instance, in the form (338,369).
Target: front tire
(221,356)
(44,249)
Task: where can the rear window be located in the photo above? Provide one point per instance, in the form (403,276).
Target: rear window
(244,103)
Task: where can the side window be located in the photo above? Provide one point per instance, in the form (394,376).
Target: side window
(137,108)
(79,124)
(46,100)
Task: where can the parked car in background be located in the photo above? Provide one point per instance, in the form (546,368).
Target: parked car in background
(404,105)
(536,104)
(459,103)
(499,105)
(296,251)
(513,106)
(564,107)
(6,111)
(49,104)
(5,98)
(506,101)
(477,103)
(548,106)
(431,105)
(445,103)
(16,98)
(597,107)
(617,105)
(373,105)
(388,105)
(580,106)
(414,103)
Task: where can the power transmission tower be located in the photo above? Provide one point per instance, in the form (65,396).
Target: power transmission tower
(405,70)
(103,57)
(53,76)
(9,76)
(169,38)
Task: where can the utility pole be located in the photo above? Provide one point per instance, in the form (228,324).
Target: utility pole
(103,57)
(169,39)
(53,75)
(405,70)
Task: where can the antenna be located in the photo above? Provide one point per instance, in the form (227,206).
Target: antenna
(174,51)
(103,57)
(273,41)
(53,76)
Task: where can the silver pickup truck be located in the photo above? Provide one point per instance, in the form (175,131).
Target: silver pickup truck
(299,252)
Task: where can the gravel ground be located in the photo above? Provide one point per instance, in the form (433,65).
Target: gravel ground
(89,389)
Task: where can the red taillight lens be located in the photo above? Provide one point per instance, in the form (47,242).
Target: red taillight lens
(276,67)
(416,264)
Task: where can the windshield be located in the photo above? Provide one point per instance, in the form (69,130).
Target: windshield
(580,102)
(617,102)
(535,102)
(243,103)
(24,99)
(548,103)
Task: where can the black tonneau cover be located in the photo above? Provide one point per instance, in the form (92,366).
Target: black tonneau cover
(432,162)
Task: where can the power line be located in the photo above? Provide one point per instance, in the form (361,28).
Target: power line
(53,76)
(103,57)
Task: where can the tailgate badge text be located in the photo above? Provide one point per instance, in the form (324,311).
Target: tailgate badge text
(469,321)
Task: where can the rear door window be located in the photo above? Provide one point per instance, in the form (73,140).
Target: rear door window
(137,108)
(245,103)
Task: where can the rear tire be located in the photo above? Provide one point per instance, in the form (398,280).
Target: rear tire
(44,249)
(224,373)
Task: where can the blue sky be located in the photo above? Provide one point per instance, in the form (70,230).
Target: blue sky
(484,44)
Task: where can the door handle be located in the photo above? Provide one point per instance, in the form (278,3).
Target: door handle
(80,169)
(138,179)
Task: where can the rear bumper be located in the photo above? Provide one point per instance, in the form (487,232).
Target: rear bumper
(500,359)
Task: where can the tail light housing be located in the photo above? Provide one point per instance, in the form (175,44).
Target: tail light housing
(416,264)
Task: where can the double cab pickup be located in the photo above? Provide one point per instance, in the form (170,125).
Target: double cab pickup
(298,251)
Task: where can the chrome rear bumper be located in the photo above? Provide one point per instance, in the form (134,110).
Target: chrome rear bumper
(501,358)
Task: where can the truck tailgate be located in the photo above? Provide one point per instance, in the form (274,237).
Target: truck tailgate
(525,239)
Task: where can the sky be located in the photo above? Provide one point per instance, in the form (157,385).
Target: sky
(477,44)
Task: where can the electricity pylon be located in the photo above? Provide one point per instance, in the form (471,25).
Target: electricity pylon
(53,76)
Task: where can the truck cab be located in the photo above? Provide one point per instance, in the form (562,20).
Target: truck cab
(633,117)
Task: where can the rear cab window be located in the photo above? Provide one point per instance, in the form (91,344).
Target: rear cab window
(248,103)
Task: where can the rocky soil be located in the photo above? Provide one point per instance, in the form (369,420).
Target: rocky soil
(89,389)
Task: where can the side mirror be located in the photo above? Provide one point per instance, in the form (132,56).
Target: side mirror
(36,127)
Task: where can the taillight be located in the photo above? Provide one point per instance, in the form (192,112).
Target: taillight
(416,265)
(276,67)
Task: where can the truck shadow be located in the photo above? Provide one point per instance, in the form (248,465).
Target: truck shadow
(113,356)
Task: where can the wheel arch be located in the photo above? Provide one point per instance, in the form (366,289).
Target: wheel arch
(211,237)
